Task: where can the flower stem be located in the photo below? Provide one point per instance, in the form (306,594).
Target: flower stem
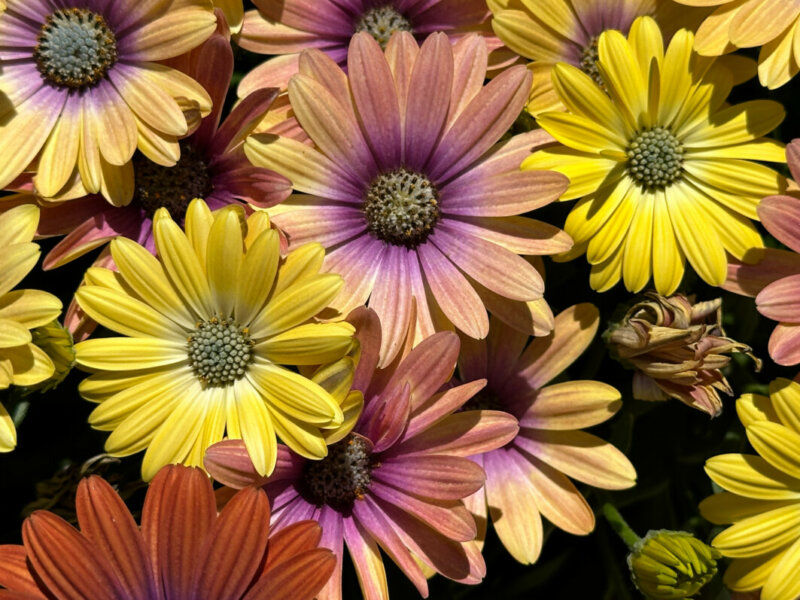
(619,525)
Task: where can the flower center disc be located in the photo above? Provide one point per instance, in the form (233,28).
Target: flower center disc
(171,187)
(401,208)
(484,400)
(655,158)
(76,48)
(219,352)
(588,62)
(341,477)
(381,23)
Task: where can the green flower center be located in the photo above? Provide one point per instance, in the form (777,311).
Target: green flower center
(401,208)
(655,158)
(340,478)
(171,187)
(588,62)
(76,48)
(219,352)
(381,23)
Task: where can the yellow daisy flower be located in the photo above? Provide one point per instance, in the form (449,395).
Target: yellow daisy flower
(660,161)
(209,325)
(772,24)
(762,496)
(550,31)
(22,363)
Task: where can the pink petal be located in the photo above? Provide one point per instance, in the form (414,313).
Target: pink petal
(274,73)
(367,560)
(242,120)
(327,19)
(504,347)
(439,406)
(780,300)
(470,60)
(391,300)
(358,262)
(319,220)
(781,216)
(401,53)
(793,158)
(432,477)
(384,419)
(505,156)
(273,37)
(332,523)
(784,344)
(229,463)
(768,265)
(520,235)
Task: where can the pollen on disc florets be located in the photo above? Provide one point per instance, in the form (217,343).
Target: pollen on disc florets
(76,48)
(655,158)
(342,477)
(382,22)
(401,208)
(219,352)
(172,188)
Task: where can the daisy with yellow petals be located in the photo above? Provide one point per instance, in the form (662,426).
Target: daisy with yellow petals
(662,164)
(21,362)
(85,90)
(209,325)
(762,496)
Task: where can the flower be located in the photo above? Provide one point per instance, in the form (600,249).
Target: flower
(22,362)
(398,479)
(771,24)
(184,549)
(410,193)
(210,324)
(529,477)
(85,117)
(551,31)
(57,343)
(288,27)
(671,565)
(678,349)
(762,496)
(774,275)
(661,164)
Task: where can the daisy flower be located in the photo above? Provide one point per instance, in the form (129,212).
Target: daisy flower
(761,496)
(84,113)
(410,190)
(771,24)
(397,481)
(184,549)
(550,31)
(774,276)
(529,478)
(210,323)
(664,167)
(287,27)
(22,362)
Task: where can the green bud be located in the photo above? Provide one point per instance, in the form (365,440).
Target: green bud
(671,564)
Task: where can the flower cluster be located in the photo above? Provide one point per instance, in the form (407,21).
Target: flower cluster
(313,255)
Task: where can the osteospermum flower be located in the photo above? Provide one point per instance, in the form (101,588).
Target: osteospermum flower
(210,324)
(22,362)
(529,477)
(84,113)
(409,188)
(550,31)
(774,275)
(287,27)
(762,496)
(184,549)
(397,481)
(771,24)
(661,163)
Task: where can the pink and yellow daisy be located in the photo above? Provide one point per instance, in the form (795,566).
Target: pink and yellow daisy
(396,482)
(410,189)
(76,118)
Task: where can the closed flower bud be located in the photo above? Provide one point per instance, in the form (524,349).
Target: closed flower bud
(678,350)
(671,564)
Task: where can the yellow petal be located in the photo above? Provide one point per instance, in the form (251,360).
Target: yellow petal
(256,428)
(128,316)
(752,476)
(761,533)
(779,445)
(224,260)
(310,344)
(126,354)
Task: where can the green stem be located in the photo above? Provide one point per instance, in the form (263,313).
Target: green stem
(619,525)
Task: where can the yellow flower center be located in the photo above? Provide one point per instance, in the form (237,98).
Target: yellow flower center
(76,48)
(171,187)
(655,158)
(401,207)
(219,352)
(382,22)
(340,478)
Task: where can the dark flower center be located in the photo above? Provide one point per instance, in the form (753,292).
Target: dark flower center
(381,23)
(76,48)
(588,62)
(401,208)
(484,400)
(219,352)
(171,187)
(655,158)
(340,478)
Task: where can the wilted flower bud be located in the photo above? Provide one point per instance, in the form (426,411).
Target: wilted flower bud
(671,564)
(57,344)
(678,350)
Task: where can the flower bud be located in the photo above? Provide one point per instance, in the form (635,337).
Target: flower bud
(57,344)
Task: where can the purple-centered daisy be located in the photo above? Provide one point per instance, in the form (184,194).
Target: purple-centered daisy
(396,482)
(410,189)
